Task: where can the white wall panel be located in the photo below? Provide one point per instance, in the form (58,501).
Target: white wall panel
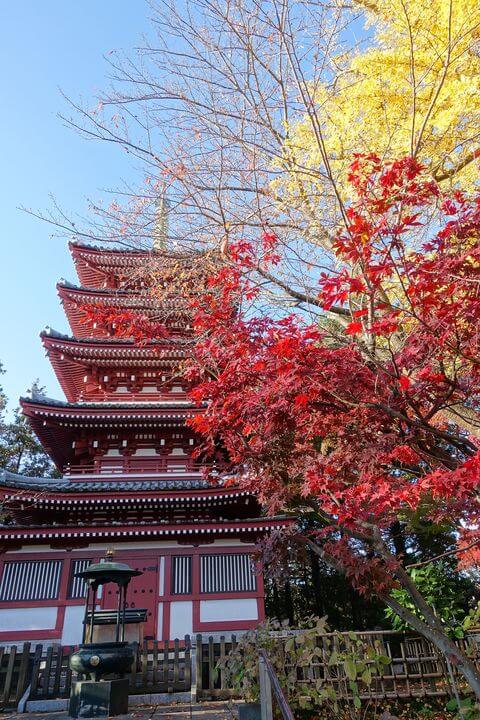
(225,610)
(160,622)
(33,618)
(73,625)
(181,619)
(161,576)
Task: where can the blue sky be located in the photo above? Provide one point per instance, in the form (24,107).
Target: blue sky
(45,46)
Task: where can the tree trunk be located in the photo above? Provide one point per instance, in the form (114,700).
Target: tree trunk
(431,628)
(398,540)
(319,605)
(446,645)
(466,417)
(289,611)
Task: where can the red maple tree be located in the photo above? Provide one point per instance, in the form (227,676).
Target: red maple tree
(376,422)
(369,420)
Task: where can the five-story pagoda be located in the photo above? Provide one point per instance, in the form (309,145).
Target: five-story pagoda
(129,479)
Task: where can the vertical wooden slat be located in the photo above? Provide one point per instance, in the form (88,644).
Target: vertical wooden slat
(176,662)
(144,663)
(187,675)
(222,660)
(165,664)
(421,668)
(37,659)
(133,671)
(9,675)
(22,672)
(199,664)
(47,671)
(405,666)
(68,672)
(211,664)
(58,671)
(155,663)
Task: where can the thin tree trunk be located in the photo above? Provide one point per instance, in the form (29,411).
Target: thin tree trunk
(431,628)
(465,417)
(398,539)
(446,645)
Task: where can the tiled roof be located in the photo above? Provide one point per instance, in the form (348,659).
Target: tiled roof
(64,485)
(127,342)
(38,399)
(107,248)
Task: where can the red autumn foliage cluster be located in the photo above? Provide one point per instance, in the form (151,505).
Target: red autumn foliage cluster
(362,428)
(368,420)
(370,427)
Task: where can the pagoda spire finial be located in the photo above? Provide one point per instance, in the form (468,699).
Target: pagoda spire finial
(160,227)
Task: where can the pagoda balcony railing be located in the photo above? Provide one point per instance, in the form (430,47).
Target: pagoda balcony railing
(135,465)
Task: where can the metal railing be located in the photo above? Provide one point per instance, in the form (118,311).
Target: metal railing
(269,682)
(141,466)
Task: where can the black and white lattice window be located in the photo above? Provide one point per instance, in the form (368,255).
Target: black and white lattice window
(227,573)
(30,580)
(77,588)
(181,575)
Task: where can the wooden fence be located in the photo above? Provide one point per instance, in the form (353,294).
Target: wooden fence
(211,683)
(416,668)
(45,672)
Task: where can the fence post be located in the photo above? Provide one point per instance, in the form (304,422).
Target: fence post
(193,670)
(197,672)
(265,691)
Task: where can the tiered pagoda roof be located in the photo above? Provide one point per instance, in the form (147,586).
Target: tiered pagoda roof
(121,438)
(106,267)
(73,360)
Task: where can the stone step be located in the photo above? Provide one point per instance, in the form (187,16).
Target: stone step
(199,711)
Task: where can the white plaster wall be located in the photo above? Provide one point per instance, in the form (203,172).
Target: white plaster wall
(225,610)
(232,543)
(161,576)
(145,452)
(35,548)
(37,618)
(181,619)
(160,622)
(73,625)
(132,545)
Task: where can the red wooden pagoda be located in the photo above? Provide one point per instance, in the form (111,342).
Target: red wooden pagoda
(129,481)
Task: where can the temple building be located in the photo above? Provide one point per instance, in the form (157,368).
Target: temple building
(129,481)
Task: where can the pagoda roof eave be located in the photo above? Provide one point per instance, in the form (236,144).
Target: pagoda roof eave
(103,409)
(56,422)
(175,313)
(52,491)
(67,290)
(50,335)
(73,358)
(13,484)
(76,247)
(257,526)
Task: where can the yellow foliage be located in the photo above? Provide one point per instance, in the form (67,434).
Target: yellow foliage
(414,89)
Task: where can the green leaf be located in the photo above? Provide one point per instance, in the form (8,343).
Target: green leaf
(333,659)
(467,622)
(367,676)
(384,659)
(350,668)
(357,702)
